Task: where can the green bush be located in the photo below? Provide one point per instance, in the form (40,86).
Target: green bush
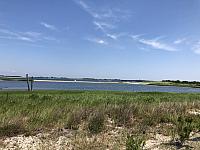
(135,142)
(34,96)
(149,99)
(96,122)
(73,121)
(184,128)
(121,115)
(47,97)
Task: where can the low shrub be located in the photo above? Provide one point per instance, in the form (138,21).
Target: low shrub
(121,115)
(73,121)
(96,122)
(183,128)
(135,142)
(149,99)
(34,96)
(47,97)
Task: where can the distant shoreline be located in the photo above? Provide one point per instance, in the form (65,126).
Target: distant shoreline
(61,81)
(57,81)
(100,82)
(150,83)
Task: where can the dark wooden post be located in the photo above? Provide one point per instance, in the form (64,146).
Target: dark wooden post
(32,83)
(27,80)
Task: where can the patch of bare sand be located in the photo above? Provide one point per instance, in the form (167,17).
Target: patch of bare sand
(112,138)
(194,111)
(156,142)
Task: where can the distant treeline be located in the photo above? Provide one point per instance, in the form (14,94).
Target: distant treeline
(3,76)
(182,82)
(12,78)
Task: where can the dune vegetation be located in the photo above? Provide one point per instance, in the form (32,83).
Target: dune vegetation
(101,119)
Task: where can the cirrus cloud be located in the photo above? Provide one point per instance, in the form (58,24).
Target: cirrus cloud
(157,45)
(48,26)
(98,41)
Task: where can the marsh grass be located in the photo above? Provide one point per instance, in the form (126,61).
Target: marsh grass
(135,142)
(74,120)
(96,122)
(68,109)
(12,130)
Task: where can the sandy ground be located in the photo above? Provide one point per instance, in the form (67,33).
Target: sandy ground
(72,140)
(113,138)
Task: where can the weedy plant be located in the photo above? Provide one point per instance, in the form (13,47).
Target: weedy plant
(96,122)
(183,128)
(121,114)
(34,96)
(73,121)
(135,142)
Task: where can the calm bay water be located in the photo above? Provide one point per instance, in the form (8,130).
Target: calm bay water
(20,85)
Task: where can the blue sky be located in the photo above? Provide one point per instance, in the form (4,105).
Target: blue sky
(132,39)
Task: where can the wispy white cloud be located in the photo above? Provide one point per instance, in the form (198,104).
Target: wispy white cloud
(89,10)
(48,26)
(98,41)
(7,34)
(32,34)
(105,28)
(112,36)
(196,48)
(136,36)
(153,43)
(116,36)
(36,36)
(179,41)
(16,38)
(102,13)
(83,4)
(157,45)
(103,25)
(105,18)
(101,42)
(86,8)
(24,36)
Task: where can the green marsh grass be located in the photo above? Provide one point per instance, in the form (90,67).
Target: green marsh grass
(68,109)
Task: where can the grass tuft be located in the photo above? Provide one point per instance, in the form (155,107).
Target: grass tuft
(12,130)
(96,122)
